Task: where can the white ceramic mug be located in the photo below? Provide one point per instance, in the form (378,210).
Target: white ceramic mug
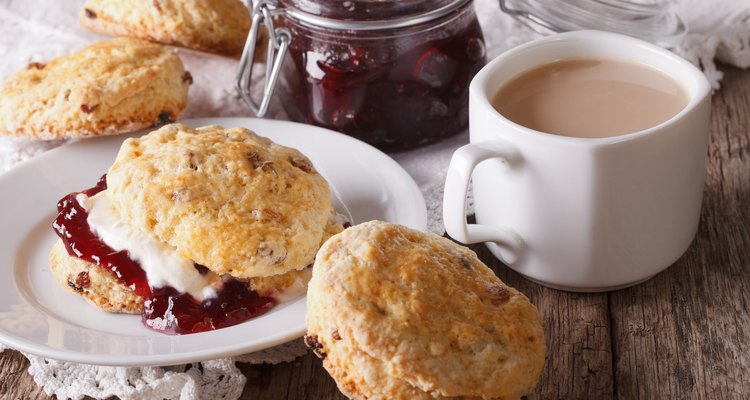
(581,214)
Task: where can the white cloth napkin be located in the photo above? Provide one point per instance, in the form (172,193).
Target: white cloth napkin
(35,30)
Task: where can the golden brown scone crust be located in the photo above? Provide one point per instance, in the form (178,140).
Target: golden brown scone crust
(225,198)
(357,374)
(110,87)
(397,311)
(360,376)
(92,282)
(216,26)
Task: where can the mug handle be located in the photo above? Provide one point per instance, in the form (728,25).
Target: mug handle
(462,164)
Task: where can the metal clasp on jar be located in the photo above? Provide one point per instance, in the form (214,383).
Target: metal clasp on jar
(278,43)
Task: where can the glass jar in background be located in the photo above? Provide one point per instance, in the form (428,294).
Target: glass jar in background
(651,20)
(392,73)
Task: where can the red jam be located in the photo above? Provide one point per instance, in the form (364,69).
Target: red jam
(393,88)
(165,309)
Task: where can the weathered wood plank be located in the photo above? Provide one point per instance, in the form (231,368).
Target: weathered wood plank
(301,379)
(684,334)
(576,326)
(15,381)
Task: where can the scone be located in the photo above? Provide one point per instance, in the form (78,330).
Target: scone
(266,202)
(95,284)
(205,228)
(400,314)
(216,26)
(110,87)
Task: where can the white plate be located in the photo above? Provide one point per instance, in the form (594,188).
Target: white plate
(37,316)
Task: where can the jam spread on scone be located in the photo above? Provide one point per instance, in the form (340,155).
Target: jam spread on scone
(165,308)
(195,229)
(72,228)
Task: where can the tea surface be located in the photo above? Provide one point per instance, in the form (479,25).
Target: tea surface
(590,98)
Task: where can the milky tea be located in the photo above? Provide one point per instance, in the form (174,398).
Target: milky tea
(590,98)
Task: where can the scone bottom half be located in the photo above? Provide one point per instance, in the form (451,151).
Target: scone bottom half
(122,267)
(400,314)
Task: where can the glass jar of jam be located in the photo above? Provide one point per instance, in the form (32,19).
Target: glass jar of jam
(393,73)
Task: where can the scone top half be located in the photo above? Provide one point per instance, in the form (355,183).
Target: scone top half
(228,199)
(402,314)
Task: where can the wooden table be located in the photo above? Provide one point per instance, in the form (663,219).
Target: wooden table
(685,334)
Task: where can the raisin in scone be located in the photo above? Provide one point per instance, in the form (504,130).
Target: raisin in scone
(94,284)
(204,228)
(400,314)
(109,87)
(216,26)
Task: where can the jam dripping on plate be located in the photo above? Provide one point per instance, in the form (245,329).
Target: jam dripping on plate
(165,309)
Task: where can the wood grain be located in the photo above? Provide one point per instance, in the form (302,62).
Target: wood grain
(15,382)
(683,334)
(302,379)
(577,329)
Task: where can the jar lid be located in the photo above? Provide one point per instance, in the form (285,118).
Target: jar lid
(650,20)
(368,14)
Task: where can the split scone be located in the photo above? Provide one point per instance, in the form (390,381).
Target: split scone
(110,87)
(196,228)
(401,314)
(215,26)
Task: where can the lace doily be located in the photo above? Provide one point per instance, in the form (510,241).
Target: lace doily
(215,379)
(31,30)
